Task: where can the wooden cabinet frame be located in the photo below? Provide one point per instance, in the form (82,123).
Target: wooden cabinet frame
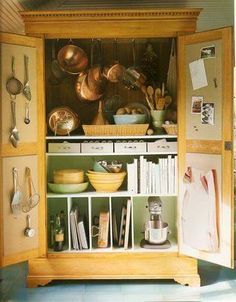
(120,23)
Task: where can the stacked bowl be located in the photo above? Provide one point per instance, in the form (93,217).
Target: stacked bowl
(67,181)
(106,181)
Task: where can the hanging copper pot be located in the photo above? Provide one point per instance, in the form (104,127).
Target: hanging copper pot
(90,86)
(115,72)
(72,59)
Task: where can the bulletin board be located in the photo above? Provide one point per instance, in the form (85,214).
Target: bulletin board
(204,91)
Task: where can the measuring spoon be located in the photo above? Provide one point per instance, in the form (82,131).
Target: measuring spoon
(29,232)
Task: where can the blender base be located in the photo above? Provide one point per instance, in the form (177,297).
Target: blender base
(146,245)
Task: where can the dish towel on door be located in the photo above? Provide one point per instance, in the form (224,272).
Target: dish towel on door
(199,223)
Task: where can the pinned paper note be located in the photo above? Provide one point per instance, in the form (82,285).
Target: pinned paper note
(198,74)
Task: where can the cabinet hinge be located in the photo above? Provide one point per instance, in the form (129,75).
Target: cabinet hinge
(228,145)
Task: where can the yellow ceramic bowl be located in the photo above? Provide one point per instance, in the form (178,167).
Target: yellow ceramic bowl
(68,176)
(106,175)
(102,184)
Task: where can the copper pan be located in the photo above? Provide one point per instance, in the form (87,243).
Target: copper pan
(83,91)
(115,72)
(72,59)
(90,86)
(96,80)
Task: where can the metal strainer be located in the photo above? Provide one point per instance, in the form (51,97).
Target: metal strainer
(33,197)
(13,85)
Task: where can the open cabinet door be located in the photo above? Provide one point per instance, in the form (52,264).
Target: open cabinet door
(15,246)
(205,121)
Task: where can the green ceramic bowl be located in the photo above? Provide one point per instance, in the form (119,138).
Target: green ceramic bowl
(68,188)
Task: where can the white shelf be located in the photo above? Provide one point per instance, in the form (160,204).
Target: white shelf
(111,153)
(83,137)
(136,249)
(104,194)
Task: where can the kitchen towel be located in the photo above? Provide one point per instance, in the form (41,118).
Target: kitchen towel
(199,222)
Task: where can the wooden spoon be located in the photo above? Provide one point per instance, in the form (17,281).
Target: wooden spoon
(150,92)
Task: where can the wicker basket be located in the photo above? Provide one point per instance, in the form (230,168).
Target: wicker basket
(170,129)
(115,130)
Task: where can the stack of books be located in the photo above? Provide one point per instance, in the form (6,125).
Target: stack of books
(148,177)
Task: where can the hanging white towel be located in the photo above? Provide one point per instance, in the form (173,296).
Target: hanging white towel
(199,211)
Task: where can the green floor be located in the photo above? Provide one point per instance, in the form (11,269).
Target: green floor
(218,284)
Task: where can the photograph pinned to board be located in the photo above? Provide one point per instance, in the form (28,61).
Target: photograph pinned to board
(198,74)
(197,102)
(208,52)
(208,114)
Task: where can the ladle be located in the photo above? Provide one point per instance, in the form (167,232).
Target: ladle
(13,85)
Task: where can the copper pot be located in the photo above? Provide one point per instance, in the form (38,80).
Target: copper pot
(90,86)
(72,59)
(115,72)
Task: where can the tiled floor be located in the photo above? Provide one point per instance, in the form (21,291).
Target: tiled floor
(218,284)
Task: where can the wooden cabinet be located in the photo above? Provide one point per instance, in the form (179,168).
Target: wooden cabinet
(204,146)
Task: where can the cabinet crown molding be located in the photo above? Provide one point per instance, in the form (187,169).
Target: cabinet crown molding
(110,22)
(112,13)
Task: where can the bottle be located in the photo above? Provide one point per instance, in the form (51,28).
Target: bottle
(63,225)
(59,235)
(51,232)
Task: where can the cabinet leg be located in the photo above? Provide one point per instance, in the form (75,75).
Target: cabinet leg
(35,282)
(193,281)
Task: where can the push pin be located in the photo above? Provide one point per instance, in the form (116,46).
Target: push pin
(215,82)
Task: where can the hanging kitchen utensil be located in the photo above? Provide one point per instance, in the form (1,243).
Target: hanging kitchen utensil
(133,78)
(96,79)
(171,81)
(63,120)
(26,90)
(91,86)
(13,85)
(33,197)
(115,72)
(29,232)
(17,195)
(14,135)
(57,73)
(72,59)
